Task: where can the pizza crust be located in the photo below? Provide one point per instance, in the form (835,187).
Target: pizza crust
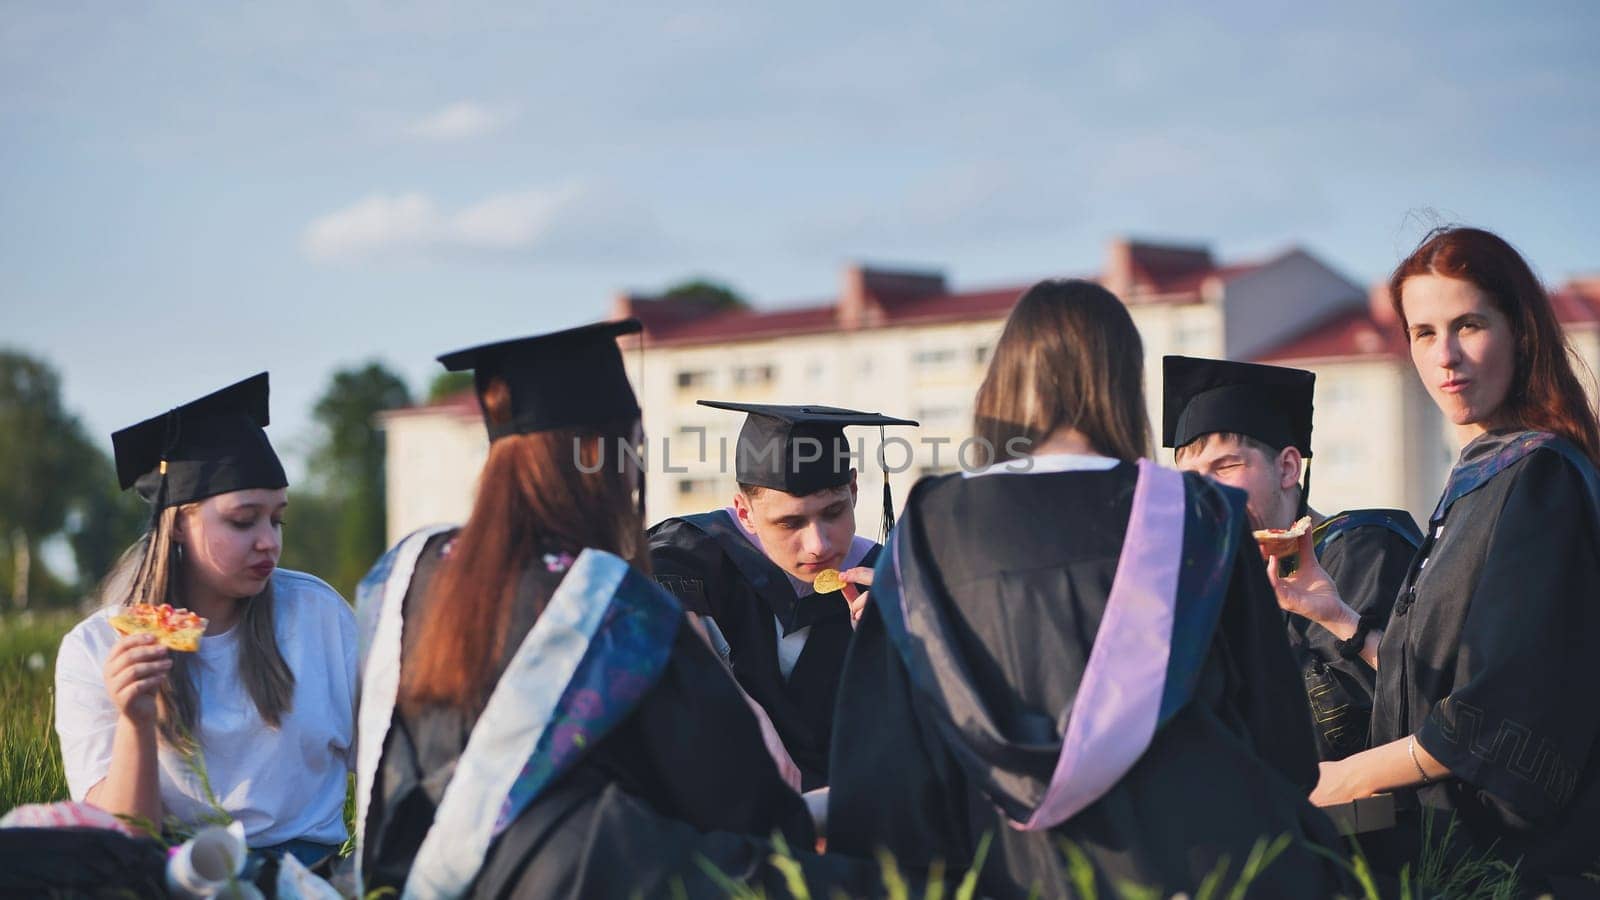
(1283,542)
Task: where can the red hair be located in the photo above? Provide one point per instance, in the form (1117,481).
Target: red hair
(559,489)
(1545,394)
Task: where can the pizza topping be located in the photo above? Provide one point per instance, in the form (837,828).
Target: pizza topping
(176,629)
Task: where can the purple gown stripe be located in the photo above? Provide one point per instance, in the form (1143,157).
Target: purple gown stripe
(1120,698)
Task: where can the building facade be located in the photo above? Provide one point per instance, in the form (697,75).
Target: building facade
(905,344)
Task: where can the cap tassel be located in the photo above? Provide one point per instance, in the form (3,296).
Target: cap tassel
(639,501)
(638,357)
(1305,493)
(174,427)
(887,522)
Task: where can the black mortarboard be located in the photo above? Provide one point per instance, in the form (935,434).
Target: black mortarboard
(564,379)
(797,449)
(209,446)
(1269,403)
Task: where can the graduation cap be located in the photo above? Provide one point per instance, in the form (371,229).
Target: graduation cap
(213,445)
(1269,403)
(801,449)
(564,379)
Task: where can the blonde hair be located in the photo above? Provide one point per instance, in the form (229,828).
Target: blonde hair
(147,573)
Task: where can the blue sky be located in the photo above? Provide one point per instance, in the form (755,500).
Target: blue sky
(195,192)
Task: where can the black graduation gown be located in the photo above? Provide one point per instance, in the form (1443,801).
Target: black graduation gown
(684,776)
(1367,553)
(1489,660)
(1025,564)
(713,570)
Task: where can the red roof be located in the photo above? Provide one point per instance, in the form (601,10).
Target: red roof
(1191,281)
(1355,332)
(1168,275)
(1578,302)
(1348,333)
(747,325)
(462,403)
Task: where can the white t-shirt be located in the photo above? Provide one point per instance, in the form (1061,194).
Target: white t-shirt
(281,783)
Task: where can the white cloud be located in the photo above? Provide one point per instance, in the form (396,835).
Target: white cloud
(572,220)
(461,121)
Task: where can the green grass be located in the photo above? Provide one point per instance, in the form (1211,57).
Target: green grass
(30,757)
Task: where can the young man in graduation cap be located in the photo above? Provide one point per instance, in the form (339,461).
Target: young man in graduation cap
(1249,426)
(748,569)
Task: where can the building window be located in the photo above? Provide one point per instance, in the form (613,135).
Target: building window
(690,486)
(754,376)
(1190,337)
(1337,393)
(693,378)
(929,360)
(932,416)
(1341,455)
(981,354)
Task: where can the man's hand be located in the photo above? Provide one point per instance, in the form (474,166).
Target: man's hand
(1310,592)
(857,598)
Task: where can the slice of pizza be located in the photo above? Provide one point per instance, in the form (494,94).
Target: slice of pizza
(1282,542)
(176,629)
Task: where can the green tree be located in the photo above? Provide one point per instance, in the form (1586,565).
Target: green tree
(347,476)
(445,384)
(710,293)
(48,469)
(102,523)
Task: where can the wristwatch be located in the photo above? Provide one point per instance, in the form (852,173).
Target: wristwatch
(1351,647)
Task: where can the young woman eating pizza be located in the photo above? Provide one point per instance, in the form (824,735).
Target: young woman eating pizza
(259,717)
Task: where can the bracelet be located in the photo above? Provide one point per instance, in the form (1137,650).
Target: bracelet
(1411,747)
(1351,647)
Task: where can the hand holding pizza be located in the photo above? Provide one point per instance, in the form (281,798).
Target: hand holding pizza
(134,670)
(1308,590)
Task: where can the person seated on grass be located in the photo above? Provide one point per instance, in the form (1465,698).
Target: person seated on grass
(750,570)
(538,718)
(258,722)
(1072,658)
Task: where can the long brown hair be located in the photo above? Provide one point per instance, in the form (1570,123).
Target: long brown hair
(150,572)
(563,488)
(1069,357)
(1545,393)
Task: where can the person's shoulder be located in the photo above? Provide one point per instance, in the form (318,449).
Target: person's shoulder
(1559,460)
(687,527)
(306,593)
(1552,478)
(1378,526)
(682,538)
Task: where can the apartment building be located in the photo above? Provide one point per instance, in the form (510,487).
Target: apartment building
(906,344)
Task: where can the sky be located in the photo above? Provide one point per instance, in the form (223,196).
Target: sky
(191,193)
